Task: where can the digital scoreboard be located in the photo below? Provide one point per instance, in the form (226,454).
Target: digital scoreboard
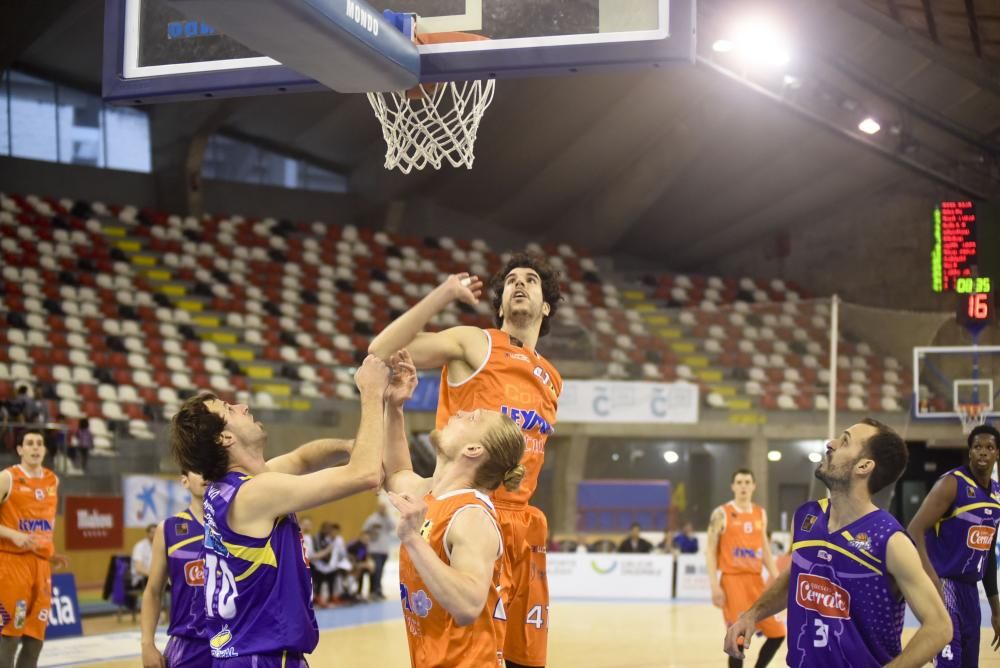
(956,246)
(965,259)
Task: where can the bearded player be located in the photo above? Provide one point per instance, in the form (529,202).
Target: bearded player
(499,370)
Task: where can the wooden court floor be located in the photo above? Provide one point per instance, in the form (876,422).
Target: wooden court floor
(583,635)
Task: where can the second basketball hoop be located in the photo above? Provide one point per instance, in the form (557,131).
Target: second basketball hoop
(431,123)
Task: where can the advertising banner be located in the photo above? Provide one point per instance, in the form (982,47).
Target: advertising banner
(94,522)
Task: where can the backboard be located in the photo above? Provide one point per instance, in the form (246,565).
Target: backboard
(158,50)
(946,376)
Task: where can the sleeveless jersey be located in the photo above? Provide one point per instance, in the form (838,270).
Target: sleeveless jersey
(184,538)
(741,545)
(30,507)
(519,383)
(258,591)
(435,640)
(842,606)
(960,541)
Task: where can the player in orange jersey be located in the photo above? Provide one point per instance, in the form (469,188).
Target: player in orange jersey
(449,564)
(27,522)
(738,547)
(499,370)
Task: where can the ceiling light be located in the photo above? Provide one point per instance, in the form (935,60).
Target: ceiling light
(815,457)
(774,456)
(759,41)
(671,457)
(869,126)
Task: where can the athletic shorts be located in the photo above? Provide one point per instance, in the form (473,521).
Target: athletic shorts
(962,601)
(25,595)
(525,636)
(182,652)
(742,590)
(280,660)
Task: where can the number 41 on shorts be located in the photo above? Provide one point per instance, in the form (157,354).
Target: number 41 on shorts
(538,616)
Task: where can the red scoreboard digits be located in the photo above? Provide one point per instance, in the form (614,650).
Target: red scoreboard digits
(955,244)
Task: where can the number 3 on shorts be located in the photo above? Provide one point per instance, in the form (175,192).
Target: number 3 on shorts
(536,617)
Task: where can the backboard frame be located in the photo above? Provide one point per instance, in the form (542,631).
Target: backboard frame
(957,383)
(126,83)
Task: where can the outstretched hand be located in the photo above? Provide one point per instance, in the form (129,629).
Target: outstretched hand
(411,515)
(465,288)
(403,381)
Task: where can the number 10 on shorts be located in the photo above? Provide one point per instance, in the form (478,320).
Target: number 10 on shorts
(538,616)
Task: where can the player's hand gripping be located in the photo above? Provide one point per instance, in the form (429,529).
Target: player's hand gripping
(739,635)
(412,512)
(718,596)
(59,561)
(403,381)
(465,288)
(25,541)
(151,657)
(372,377)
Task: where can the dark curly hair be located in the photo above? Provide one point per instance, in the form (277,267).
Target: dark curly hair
(551,292)
(984,429)
(195,438)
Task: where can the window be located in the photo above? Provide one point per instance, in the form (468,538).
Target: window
(228,159)
(44,121)
(33,118)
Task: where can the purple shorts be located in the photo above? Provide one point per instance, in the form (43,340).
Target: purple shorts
(282,660)
(182,652)
(962,601)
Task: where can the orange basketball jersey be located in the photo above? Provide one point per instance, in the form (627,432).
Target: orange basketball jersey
(30,507)
(519,383)
(741,545)
(436,641)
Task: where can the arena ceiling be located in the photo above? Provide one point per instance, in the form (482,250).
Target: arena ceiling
(683,163)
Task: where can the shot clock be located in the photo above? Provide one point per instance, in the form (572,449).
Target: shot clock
(965,258)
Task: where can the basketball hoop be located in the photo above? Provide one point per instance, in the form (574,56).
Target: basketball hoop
(433,123)
(971,415)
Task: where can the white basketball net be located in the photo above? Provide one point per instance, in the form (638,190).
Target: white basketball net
(971,415)
(435,123)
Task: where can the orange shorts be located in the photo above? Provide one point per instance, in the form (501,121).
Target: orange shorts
(525,636)
(26,595)
(742,590)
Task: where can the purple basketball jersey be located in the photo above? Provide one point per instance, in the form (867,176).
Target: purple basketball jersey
(842,610)
(184,537)
(960,542)
(258,590)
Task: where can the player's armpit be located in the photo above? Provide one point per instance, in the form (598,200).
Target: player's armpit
(432,350)
(935,505)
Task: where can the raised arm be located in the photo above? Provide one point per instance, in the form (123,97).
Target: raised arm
(431,350)
(461,586)
(904,564)
(933,508)
(313,456)
(152,602)
(771,602)
(399,475)
(271,494)
(716,525)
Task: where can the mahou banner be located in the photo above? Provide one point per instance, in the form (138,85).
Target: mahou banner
(94,522)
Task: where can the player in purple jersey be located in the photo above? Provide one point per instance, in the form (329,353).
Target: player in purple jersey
(852,568)
(955,534)
(258,592)
(178,558)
